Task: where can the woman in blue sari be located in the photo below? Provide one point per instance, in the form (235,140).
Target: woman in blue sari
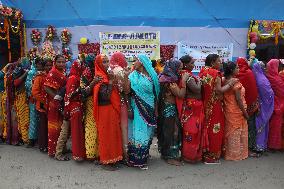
(33,127)
(144,89)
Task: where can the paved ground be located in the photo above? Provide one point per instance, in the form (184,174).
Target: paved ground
(22,168)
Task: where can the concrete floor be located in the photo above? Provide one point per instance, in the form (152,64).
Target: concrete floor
(23,168)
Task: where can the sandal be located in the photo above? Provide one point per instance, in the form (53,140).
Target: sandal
(143,167)
(62,158)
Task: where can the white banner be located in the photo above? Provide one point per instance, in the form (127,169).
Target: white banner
(200,51)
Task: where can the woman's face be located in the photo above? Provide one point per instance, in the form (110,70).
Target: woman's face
(48,66)
(60,63)
(105,63)
(180,66)
(236,71)
(217,64)
(39,67)
(137,64)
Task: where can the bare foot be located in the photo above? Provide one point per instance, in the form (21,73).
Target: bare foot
(174,162)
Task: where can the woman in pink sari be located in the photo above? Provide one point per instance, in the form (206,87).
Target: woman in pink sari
(275,139)
(118,65)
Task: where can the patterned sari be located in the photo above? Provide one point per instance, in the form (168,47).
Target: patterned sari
(169,126)
(21,104)
(195,139)
(91,133)
(74,111)
(34,119)
(55,80)
(214,116)
(275,139)
(144,91)
(266,99)
(236,129)
(2,89)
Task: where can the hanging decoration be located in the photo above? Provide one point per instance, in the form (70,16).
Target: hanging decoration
(65,37)
(84,40)
(167,51)
(10,13)
(262,30)
(50,33)
(88,48)
(47,51)
(33,53)
(36,37)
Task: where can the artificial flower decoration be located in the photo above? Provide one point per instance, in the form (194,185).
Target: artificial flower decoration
(36,37)
(47,51)
(65,37)
(33,53)
(50,33)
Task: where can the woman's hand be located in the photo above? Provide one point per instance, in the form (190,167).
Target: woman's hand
(97,79)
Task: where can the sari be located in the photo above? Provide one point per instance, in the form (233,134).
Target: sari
(73,111)
(11,132)
(107,117)
(236,127)
(21,106)
(34,119)
(117,64)
(275,139)
(169,126)
(191,114)
(214,116)
(91,133)
(2,89)
(266,103)
(248,81)
(55,80)
(40,96)
(144,93)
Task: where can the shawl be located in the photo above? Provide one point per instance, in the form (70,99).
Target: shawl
(248,81)
(170,72)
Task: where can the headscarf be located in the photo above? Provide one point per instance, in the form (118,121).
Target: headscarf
(275,79)
(159,67)
(170,72)
(118,59)
(55,79)
(147,64)
(101,72)
(76,69)
(247,79)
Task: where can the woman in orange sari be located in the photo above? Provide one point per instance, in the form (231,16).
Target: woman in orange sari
(236,116)
(55,81)
(107,110)
(214,117)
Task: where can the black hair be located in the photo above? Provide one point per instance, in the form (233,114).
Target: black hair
(211,58)
(229,68)
(186,59)
(154,63)
(38,60)
(58,56)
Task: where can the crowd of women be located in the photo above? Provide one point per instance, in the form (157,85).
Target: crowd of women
(111,110)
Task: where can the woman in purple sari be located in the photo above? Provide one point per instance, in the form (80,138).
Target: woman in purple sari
(266,99)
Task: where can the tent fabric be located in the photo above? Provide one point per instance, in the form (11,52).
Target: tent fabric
(169,13)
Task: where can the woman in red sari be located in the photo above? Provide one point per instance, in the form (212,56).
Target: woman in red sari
(248,81)
(191,112)
(214,117)
(55,81)
(275,138)
(73,111)
(107,110)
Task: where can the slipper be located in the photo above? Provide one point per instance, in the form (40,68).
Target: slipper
(62,158)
